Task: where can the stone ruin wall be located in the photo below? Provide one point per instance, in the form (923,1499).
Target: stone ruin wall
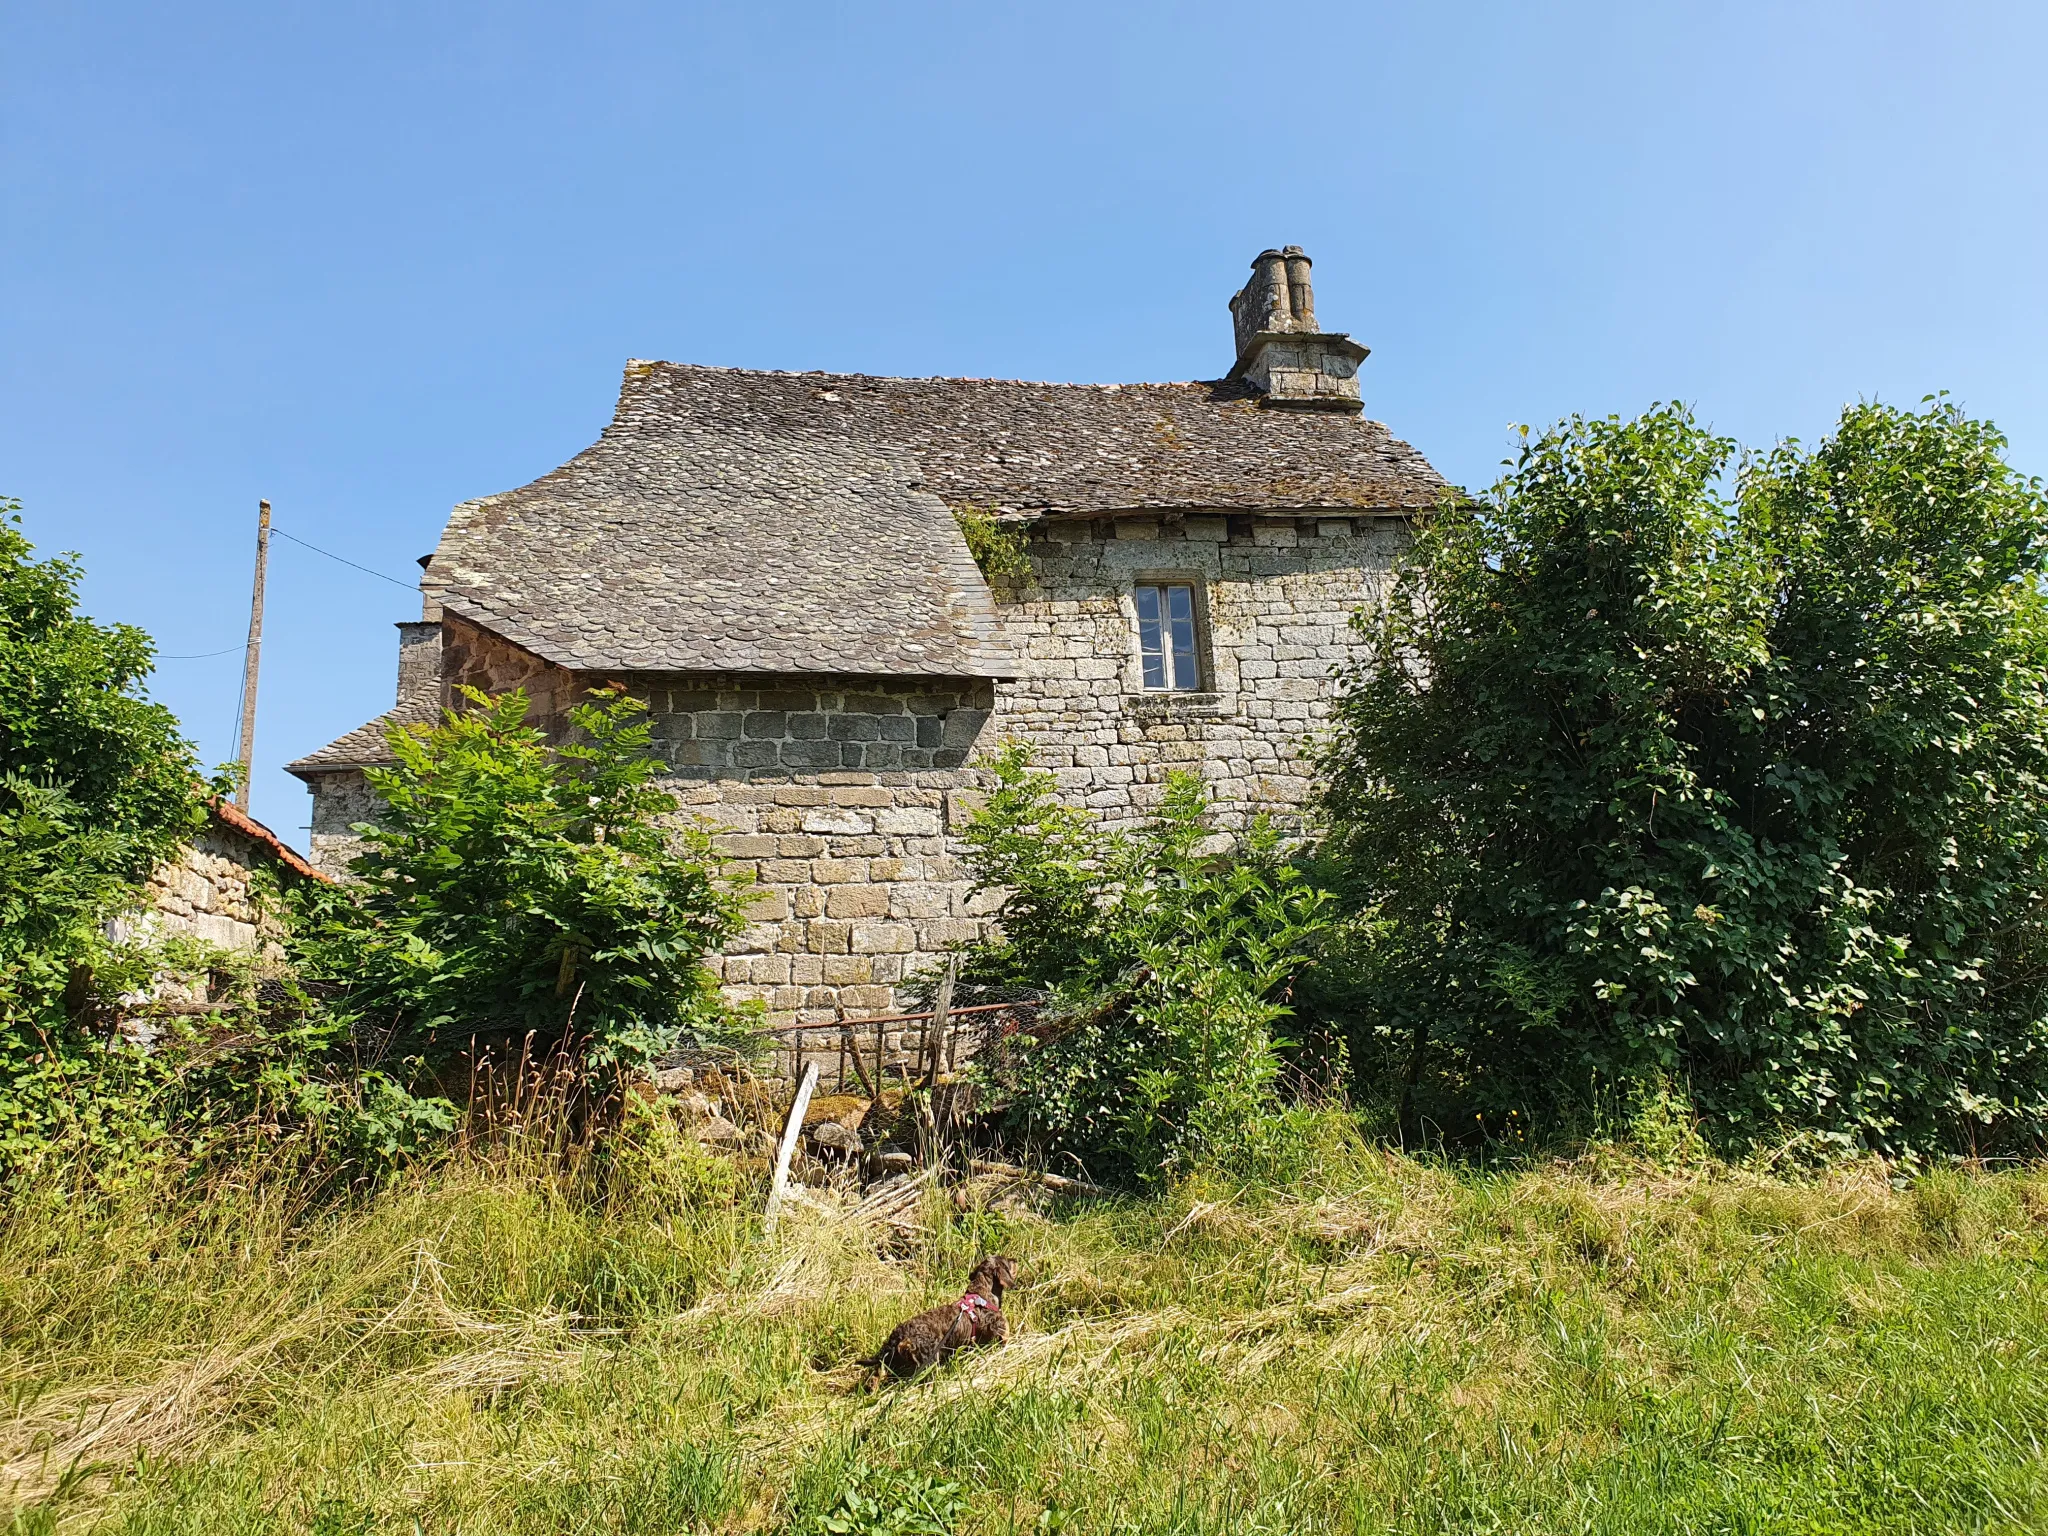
(206,893)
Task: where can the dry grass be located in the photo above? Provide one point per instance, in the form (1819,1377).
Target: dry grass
(1388,1345)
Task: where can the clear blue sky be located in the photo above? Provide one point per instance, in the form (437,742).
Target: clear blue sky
(371,260)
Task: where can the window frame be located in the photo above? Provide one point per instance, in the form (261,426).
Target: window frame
(1165,583)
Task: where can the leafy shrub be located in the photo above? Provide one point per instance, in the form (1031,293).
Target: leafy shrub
(513,888)
(1641,782)
(96,786)
(1167,963)
(1000,551)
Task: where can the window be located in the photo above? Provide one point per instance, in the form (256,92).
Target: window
(1166,637)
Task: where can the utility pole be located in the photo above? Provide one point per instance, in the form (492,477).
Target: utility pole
(252,655)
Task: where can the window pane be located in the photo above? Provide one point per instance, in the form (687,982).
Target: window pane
(1180,609)
(1151,637)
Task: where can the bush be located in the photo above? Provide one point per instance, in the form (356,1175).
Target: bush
(96,786)
(1642,782)
(1001,550)
(513,889)
(1168,966)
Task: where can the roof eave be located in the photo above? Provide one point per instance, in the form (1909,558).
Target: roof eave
(231,815)
(307,769)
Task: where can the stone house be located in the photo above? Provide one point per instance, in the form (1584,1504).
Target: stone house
(773,561)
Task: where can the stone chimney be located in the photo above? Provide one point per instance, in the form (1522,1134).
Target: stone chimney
(1280,352)
(419,662)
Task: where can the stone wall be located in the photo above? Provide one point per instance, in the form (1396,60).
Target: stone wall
(1278,595)
(858,887)
(841,797)
(341,800)
(208,891)
(473,657)
(861,885)
(764,726)
(834,796)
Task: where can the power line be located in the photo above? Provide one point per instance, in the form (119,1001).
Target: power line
(203,655)
(410,586)
(229,649)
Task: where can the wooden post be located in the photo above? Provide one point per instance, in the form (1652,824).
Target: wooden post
(953,1048)
(251,656)
(790,1132)
(849,1050)
(880,1035)
(935,1031)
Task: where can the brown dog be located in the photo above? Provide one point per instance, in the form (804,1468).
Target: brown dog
(932,1337)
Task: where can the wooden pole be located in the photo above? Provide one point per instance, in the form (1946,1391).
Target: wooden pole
(935,1029)
(790,1132)
(849,1050)
(252,655)
(952,1047)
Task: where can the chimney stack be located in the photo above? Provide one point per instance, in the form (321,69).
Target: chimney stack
(1279,350)
(419,662)
(1301,298)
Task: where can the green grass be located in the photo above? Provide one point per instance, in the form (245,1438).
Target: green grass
(1390,1345)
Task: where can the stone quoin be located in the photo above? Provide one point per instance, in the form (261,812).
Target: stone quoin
(773,562)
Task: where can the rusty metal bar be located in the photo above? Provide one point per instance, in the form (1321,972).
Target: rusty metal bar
(892,1018)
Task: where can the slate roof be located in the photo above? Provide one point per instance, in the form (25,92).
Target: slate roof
(739,520)
(729,541)
(1058,448)
(365,747)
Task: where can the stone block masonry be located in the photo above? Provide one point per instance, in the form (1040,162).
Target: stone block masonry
(763,726)
(204,894)
(860,885)
(1274,603)
(208,892)
(857,886)
(342,801)
(831,796)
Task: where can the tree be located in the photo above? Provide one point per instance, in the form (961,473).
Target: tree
(1640,781)
(96,786)
(512,887)
(96,783)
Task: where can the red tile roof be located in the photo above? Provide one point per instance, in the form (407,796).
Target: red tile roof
(228,814)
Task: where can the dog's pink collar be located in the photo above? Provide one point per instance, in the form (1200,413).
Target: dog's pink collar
(974,1302)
